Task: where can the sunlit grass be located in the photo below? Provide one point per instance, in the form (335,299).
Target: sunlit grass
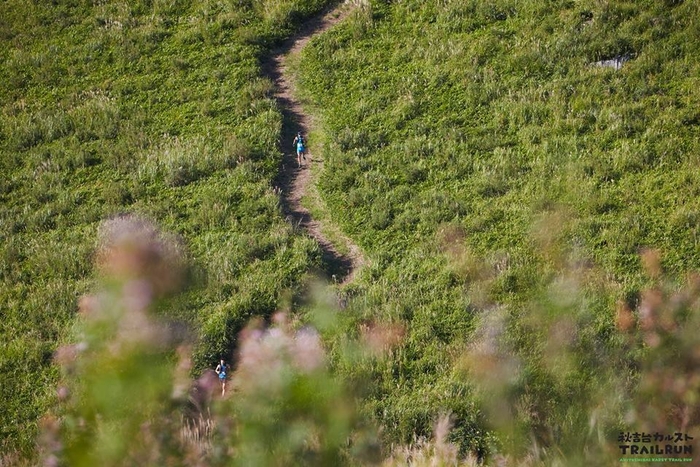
(487,118)
(154,108)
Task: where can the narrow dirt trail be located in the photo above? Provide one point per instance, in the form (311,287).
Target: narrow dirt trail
(294,181)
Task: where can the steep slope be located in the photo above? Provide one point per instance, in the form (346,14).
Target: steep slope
(486,156)
(149,108)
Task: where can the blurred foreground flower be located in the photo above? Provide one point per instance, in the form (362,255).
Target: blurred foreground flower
(289,408)
(561,384)
(118,375)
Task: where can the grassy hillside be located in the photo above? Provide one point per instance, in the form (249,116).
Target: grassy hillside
(528,216)
(486,160)
(148,107)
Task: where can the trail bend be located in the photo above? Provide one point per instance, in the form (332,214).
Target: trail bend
(293,181)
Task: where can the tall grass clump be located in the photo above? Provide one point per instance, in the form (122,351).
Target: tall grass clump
(180,162)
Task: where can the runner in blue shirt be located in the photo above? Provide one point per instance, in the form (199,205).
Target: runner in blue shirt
(221,370)
(300,144)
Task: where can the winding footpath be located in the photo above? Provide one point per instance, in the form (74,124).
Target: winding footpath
(293,181)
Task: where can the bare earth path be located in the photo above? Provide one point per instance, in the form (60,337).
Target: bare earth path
(294,181)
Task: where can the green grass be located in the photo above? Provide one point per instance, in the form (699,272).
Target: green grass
(501,184)
(155,108)
(491,120)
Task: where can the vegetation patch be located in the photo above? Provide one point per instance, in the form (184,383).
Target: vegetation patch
(149,108)
(491,120)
